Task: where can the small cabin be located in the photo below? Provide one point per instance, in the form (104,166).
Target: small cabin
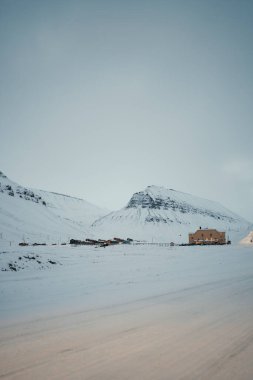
(207,236)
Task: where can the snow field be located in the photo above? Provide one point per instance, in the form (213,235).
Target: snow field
(127,312)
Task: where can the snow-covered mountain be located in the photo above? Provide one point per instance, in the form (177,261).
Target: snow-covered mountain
(42,216)
(155,214)
(159,214)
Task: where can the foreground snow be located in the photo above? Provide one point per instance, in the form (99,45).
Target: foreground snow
(127,312)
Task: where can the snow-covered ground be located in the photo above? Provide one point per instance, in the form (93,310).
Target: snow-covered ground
(248,239)
(126,312)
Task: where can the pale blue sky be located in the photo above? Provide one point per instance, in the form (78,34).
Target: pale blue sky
(100,99)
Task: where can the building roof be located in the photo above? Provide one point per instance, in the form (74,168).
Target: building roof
(207,229)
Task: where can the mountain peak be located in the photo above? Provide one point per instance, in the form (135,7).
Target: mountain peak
(41,215)
(152,197)
(167,215)
(155,188)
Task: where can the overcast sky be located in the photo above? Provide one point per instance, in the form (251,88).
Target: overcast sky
(101,98)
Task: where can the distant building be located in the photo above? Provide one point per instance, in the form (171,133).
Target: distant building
(207,236)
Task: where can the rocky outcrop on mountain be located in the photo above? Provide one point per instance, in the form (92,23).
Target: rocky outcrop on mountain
(165,201)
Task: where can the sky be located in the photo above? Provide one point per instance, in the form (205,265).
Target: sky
(101,98)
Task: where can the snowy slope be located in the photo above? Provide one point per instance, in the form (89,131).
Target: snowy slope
(248,240)
(159,214)
(41,216)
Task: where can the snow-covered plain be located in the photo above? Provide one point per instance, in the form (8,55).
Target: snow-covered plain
(126,312)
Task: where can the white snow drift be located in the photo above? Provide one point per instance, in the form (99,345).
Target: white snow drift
(248,239)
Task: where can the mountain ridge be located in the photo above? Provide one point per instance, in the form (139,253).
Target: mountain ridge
(153,214)
(43,216)
(160,214)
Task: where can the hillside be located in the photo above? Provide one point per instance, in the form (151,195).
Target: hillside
(159,214)
(42,216)
(248,240)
